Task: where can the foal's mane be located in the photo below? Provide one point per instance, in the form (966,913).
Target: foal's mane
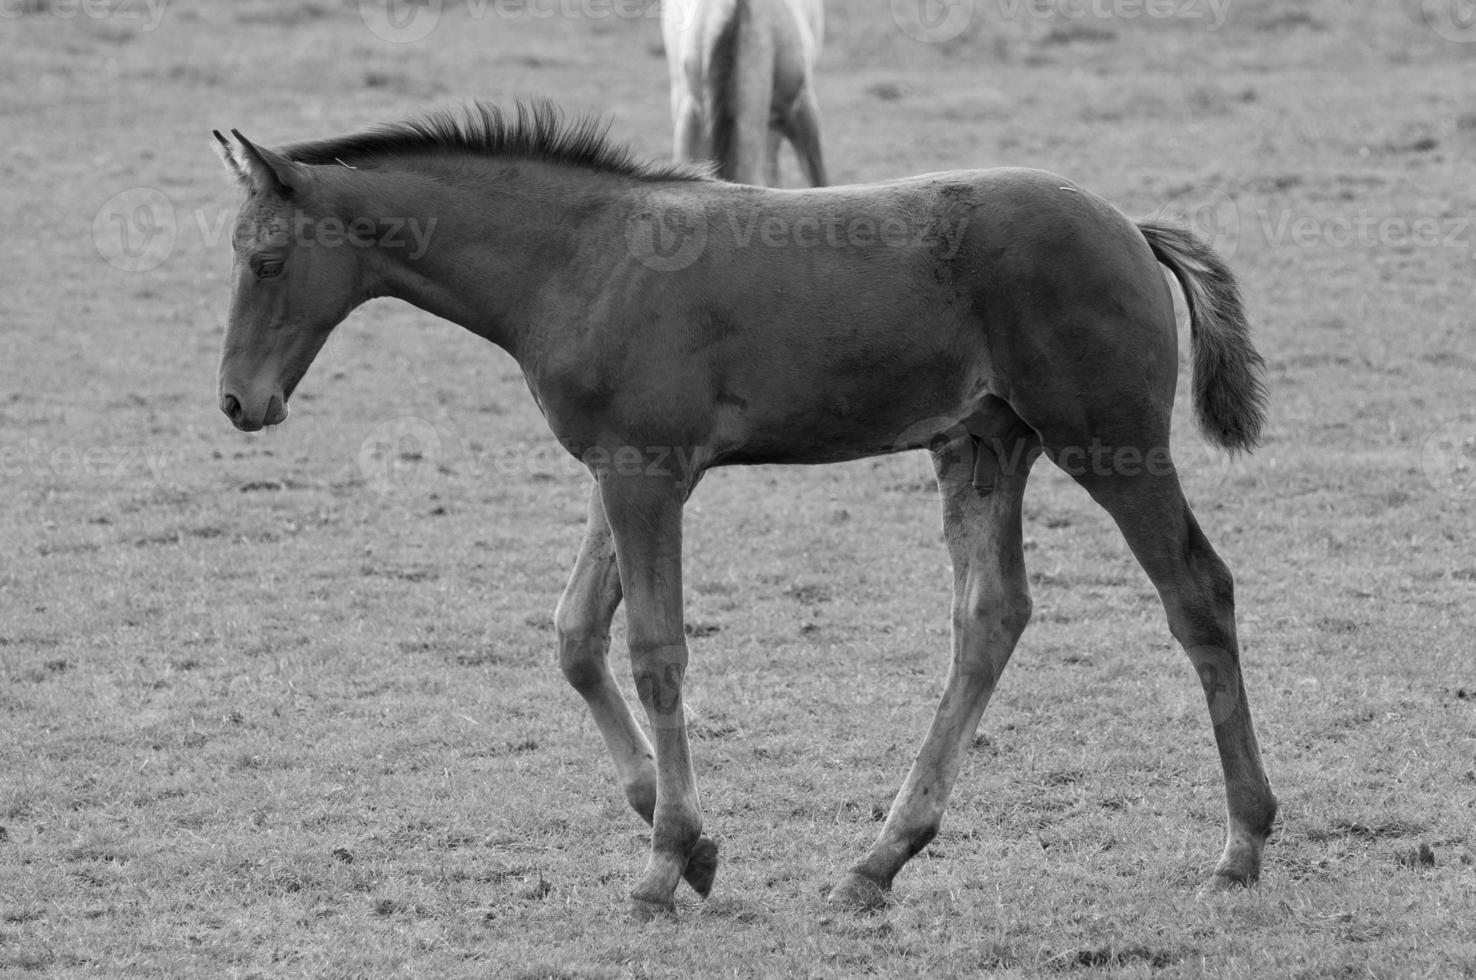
(533,131)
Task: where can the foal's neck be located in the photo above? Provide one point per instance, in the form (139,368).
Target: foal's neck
(494,234)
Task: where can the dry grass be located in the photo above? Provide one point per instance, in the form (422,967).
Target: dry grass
(264,721)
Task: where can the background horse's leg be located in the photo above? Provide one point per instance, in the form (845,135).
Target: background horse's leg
(689,138)
(645,515)
(1148,505)
(991,605)
(583,623)
(744,96)
(802,127)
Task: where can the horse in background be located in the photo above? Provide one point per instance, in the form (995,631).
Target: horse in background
(742,78)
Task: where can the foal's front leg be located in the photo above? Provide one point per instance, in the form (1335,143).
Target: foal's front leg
(645,516)
(583,623)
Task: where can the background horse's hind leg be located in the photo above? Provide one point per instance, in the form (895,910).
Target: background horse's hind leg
(802,127)
(771,163)
(991,605)
(583,624)
(689,135)
(1147,502)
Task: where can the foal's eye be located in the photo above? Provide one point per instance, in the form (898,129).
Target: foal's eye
(267,269)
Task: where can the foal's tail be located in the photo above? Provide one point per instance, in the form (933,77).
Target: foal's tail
(1229,391)
(739,88)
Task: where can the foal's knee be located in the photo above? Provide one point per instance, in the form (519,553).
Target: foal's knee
(582,650)
(1004,613)
(1014,612)
(987,626)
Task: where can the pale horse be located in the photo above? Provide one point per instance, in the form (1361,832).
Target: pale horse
(742,79)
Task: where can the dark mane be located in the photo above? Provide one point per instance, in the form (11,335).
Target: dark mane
(533,131)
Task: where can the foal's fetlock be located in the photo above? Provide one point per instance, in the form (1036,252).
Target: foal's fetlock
(702,865)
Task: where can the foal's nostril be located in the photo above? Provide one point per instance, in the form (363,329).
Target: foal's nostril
(231,405)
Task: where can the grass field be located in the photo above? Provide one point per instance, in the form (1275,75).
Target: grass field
(287,705)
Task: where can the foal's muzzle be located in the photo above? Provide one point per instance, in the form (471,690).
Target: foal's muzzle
(247,420)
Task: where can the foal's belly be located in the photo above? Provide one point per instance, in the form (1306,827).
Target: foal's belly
(792,408)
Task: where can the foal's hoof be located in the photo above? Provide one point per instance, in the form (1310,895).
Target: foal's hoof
(856,893)
(702,866)
(1221,882)
(645,910)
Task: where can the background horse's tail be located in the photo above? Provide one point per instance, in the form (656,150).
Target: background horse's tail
(1229,392)
(740,91)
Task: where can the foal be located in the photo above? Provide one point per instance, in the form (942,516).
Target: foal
(742,77)
(991,315)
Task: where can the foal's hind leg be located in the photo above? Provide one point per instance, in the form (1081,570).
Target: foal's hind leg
(583,623)
(991,606)
(1147,502)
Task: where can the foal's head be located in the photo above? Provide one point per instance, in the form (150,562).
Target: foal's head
(296,276)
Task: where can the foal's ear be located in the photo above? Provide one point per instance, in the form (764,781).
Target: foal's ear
(269,170)
(228,154)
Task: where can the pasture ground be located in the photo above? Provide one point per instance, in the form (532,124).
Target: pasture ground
(286,705)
